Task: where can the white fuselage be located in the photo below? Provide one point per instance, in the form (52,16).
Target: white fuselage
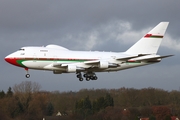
(45,58)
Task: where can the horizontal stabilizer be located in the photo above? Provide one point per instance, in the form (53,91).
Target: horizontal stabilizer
(150,58)
(126,58)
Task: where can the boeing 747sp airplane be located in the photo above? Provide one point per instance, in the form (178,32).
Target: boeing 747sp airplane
(62,60)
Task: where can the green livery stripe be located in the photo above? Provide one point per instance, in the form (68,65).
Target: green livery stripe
(20,60)
(156,36)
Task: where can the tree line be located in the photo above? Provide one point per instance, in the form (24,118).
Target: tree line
(84,107)
(26,101)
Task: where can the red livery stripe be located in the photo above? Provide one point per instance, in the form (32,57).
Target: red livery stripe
(148,35)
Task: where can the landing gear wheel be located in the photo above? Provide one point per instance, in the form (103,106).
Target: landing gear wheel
(78,76)
(95,78)
(89,75)
(27,75)
(87,79)
(85,75)
(80,79)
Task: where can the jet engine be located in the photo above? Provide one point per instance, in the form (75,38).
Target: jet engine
(103,64)
(71,68)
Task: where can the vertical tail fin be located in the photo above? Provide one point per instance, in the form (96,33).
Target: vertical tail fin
(150,43)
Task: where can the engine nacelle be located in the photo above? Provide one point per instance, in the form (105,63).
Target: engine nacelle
(103,65)
(57,72)
(71,68)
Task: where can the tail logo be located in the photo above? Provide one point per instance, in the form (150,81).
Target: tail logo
(153,36)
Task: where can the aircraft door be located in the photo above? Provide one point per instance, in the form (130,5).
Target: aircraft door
(55,59)
(34,57)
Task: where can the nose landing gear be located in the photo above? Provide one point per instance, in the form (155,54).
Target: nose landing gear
(27,75)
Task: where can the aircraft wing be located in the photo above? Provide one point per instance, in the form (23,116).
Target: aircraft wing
(101,64)
(59,65)
(104,64)
(92,62)
(66,65)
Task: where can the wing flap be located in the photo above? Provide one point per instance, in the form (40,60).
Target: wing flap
(92,62)
(59,65)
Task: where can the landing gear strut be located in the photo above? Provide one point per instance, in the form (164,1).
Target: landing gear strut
(79,75)
(88,76)
(27,75)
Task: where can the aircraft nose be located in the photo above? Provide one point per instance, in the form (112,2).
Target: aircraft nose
(11,60)
(8,59)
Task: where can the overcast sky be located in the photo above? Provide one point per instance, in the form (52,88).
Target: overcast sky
(104,25)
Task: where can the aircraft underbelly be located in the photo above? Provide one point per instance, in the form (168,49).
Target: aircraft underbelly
(36,64)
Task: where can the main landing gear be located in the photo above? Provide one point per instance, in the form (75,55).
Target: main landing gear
(27,75)
(88,76)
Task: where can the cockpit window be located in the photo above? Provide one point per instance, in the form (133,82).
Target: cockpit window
(21,49)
